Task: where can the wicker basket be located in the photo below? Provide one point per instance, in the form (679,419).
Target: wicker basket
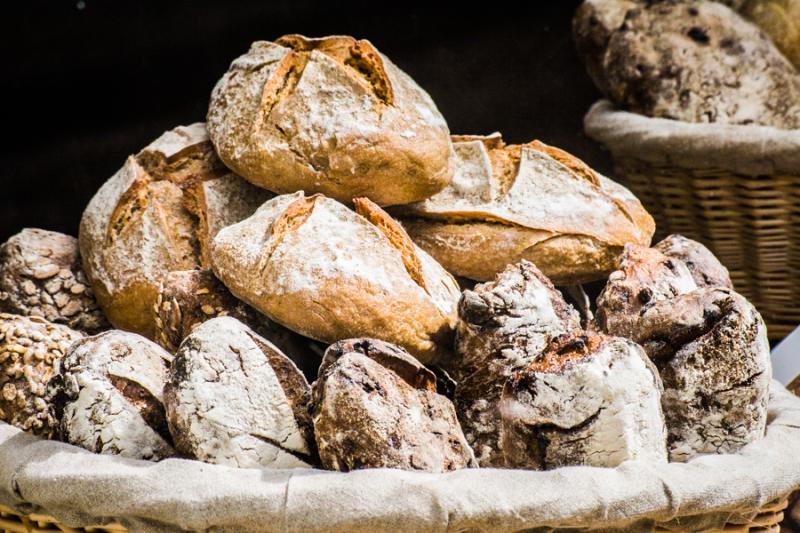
(734,188)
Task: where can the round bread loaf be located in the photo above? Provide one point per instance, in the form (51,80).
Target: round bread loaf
(706,269)
(329,273)
(375,406)
(589,400)
(234,399)
(155,215)
(29,349)
(689,60)
(107,394)
(41,275)
(528,201)
(503,326)
(329,115)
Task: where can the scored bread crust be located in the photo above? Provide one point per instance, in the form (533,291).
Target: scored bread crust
(329,273)
(529,201)
(157,214)
(329,115)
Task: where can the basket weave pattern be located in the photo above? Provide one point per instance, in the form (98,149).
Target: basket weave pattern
(752,223)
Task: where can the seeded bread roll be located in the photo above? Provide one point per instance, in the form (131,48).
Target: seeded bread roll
(529,201)
(234,399)
(375,406)
(688,60)
(156,215)
(503,326)
(711,348)
(29,349)
(329,115)
(329,273)
(107,394)
(41,275)
(706,269)
(589,400)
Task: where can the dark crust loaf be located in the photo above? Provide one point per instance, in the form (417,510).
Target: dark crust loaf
(376,406)
(713,355)
(690,60)
(560,409)
(706,269)
(107,396)
(41,275)
(29,350)
(503,326)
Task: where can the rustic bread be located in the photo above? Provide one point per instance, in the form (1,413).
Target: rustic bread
(41,275)
(29,350)
(107,395)
(589,400)
(529,201)
(329,273)
(780,19)
(155,215)
(375,406)
(503,326)
(233,398)
(689,60)
(706,269)
(329,115)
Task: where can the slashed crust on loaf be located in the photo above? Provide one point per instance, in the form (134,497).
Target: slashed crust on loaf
(327,272)
(156,215)
(329,115)
(532,201)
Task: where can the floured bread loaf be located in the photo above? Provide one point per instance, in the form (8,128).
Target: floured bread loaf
(108,396)
(712,351)
(329,115)
(329,273)
(706,269)
(589,400)
(29,350)
(155,215)
(187,298)
(529,201)
(645,276)
(503,326)
(375,406)
(234,399)
(41,275)
(689,60)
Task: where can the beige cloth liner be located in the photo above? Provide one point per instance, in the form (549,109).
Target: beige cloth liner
(750,150)
(80,488)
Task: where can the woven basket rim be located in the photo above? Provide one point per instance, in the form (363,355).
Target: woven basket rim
(745,149)
(82,488)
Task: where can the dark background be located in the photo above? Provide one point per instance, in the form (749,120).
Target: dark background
(88,83)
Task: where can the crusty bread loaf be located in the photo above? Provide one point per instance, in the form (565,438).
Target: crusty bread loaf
(329,115)
(155,215)
(326,272)
(529,201)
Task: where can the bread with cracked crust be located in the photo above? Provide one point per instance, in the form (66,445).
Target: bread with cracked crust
(329,115)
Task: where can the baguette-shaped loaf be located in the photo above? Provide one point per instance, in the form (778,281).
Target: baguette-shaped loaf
(155,215)
(529,201)
(329,273)
(329,115)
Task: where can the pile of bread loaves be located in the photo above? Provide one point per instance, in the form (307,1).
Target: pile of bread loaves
(224,253)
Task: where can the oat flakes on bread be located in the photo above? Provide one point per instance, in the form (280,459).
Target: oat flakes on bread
(41,275)
(233,398)
(530,201)
(588,400)
(376,406)
(107,395)
(157,214)
(327,272)
(503,326)
(688,60)
(329,115)
(29,350)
